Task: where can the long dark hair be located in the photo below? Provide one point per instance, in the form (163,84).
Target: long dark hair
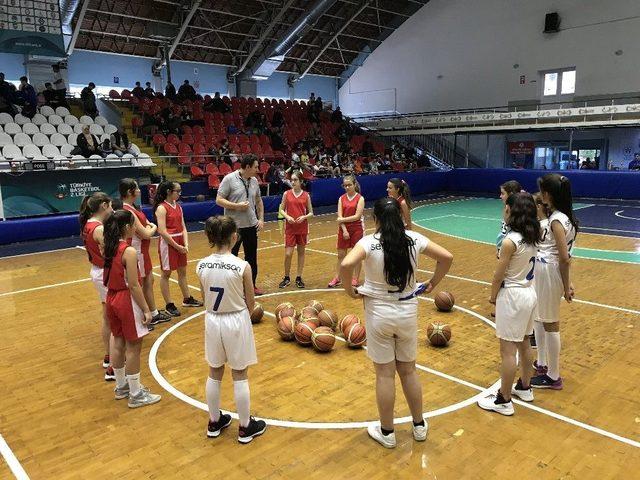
(523,217)
(125,187)
(219,230)
(162,192)
(90,206)
(114,227)
(397,246)
(511,186)
(559,189)
(403,190)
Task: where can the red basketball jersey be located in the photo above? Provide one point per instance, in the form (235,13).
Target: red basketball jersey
(173,217)
(296,206)
(140,244)
(115,276)
(349,208)
(93,249)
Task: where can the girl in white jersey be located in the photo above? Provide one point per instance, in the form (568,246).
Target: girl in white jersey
(553,279)
(227,287)
(514,296)
(391,310)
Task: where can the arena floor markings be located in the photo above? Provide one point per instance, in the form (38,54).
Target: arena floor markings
(63,422)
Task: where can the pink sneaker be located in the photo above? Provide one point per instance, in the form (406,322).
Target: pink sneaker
(335,282)
(354,282)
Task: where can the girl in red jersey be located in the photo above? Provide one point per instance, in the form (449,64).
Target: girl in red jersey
(94,210)
(350,225)
(398,189)
(141,240)
(173,245)
(296,209)
(127,310)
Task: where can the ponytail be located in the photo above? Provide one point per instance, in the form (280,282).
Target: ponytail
(403,190)
(559,189)
(352,177)
(114,227)
(397,246)
(511,186)
(125,187)
(162,192)
(90,206)
(219,230)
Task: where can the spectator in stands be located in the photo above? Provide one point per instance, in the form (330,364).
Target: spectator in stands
(312,99)
(336,116)
(87,144)
(319,107)
(374,164)
(322,168)
(26,92)
(634,165)
(6,107)
(120,142)
(107,149)
(60,86)
(29,109)
(225,152)
(170,92)
(51,97)
(386,163)
(367,147)
(277,121)
(138,91)
(7,94)
(89,100)
(277,177)
(149,92)
(186,92)
(216,104)
(277,143)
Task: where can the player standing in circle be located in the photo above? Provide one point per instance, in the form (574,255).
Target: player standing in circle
(553,274)
(127,309)
(538,327)
(350,225)
(94,210)
(173,245)
(227,285)
(514,296)
(129,193)
(390,294)
(399,189)
(296,209)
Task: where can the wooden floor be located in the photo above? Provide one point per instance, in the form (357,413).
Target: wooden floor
(60,420)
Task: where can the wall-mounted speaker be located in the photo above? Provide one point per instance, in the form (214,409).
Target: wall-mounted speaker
(551,22)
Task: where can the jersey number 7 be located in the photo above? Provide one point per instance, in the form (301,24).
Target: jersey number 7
(220,292)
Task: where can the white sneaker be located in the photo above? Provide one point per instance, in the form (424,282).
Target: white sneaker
(143,398)
(387,441)
(420,432)
(524,395)
(489,403)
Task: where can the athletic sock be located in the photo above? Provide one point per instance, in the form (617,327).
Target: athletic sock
(154,313)
(419,424)
(134,384)
(243,402)
(386,432)
(121,379)
(553,348)
(213,398)
(541,342)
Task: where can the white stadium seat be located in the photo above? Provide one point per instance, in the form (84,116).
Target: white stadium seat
(50,151)
(96,129)
(31,151)
(40,139)
(55,119)
(66,149)
(47,111)
(101,121)
(77,128)
(5,118)
(65,129)
(21,119)
(11,152)
(12,128)
(62,111)
(49,129)
(72,139)
(1,128)
(95,157)
(58,139)
(111,156)
(39,119)
(30,129)
(86,119)
(22,139)
(71,120)
(5,139)
(134,149)
(110,129)
(144,160)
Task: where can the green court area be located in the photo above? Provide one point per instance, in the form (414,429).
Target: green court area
(478,220)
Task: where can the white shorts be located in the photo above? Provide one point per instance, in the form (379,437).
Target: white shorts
(549,288)
(392,330)
(96,278)
(228,338)
(515,313)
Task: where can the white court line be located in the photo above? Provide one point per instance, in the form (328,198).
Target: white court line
(611,230)
(12,461)
(619,214)
(585,206)
(43,287)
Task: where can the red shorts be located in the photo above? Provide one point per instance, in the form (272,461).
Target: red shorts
(355,234)
(170,258)
(125,316)
(293,239)
(144,263)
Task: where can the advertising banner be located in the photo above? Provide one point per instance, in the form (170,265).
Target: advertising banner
(31,27)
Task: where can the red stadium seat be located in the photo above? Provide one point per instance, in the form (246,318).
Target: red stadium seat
(170,149)
(173,138)
(187,138)
(114,94)
(196,172)
(125,94)
(225,169)
(236,166)
(214,182)
(264,167)
(212,169)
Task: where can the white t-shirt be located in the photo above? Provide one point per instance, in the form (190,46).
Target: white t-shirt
(520,269)
(375,285)
(58,81)
(547,249)
(221,279)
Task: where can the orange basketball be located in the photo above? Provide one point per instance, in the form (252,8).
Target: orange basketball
(444,301)
(289,311)
(347,321)
(356,335)
(328,319)
(308,312)
(286,328)
(323,339)
(303,332)
(315,304)
(257,313)
(280,307)
(439,334)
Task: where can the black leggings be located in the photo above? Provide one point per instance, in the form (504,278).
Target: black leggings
(248,237)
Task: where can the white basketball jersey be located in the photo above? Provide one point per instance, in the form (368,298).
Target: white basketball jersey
(520,269)
(547,249)
(375,284)
(221,279)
